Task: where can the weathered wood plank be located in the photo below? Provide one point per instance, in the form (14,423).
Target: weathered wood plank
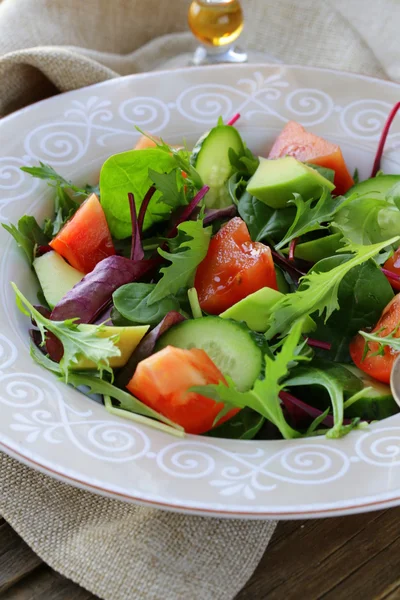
(45,584)
(16,558)
(302,564)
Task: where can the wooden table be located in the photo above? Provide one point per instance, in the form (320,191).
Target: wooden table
(352,558)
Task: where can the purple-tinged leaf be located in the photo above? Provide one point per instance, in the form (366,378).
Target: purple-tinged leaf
(213,214)
(93,294)
(318,344)
(287,266)
(188,210)
(137,252)
(144,206)
(301,413)
(41,250)
(146,347)
(389,275)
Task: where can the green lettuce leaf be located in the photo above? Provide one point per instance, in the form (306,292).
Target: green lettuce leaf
(185,259)
(319,291)
(368,220)
(310,216)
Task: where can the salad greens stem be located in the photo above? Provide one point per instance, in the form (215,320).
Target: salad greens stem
(382,140)
(292,248)
(137,252)
(390,275)
(125,414)
(144,206)
(233,120)
(194,303)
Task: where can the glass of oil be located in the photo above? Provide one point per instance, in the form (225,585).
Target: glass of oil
(217,24)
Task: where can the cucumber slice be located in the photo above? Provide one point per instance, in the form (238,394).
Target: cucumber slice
(210,157)
(378,403)
(230,345)
(376,187)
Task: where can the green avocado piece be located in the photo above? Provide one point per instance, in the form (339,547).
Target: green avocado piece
(376,187)
(316,250)
(56,276)
(128,338)
(255,310)
(275,181)
(378,403)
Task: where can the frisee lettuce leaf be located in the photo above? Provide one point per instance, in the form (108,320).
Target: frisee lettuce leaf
(368,220)
(318,292)
(76,342)
(185,259)
(49,174)
(310,215)
(391,340)
(264,395)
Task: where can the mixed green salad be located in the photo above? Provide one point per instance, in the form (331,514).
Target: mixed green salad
(216,292)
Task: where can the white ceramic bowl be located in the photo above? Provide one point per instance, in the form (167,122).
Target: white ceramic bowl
(54,428)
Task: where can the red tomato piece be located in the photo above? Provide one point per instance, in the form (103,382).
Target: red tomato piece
(162,381)
(85,239)
(295,141)
(393,265)
(233,268)
(379,366)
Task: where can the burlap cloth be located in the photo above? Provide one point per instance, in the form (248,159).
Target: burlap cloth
(116,550)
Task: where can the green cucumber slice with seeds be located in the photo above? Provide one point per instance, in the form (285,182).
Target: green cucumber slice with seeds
(229,345)
(377,403)
(210,157)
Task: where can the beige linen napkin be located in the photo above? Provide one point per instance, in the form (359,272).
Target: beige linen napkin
(116,550)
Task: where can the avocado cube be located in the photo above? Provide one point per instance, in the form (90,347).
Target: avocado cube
(275,181)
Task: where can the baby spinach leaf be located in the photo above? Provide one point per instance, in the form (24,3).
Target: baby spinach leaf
(368,220)
(194,240)
(28,234)
(310,216)
(335,379)
(128,172)
(243,426)
(362,295)
(131,301)
(262,221)
(264,395)
(319,291)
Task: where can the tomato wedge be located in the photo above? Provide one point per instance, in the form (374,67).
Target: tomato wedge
(295,141)
(85,239)
(162,381)
(393,265)
(379,366)
(233,268)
